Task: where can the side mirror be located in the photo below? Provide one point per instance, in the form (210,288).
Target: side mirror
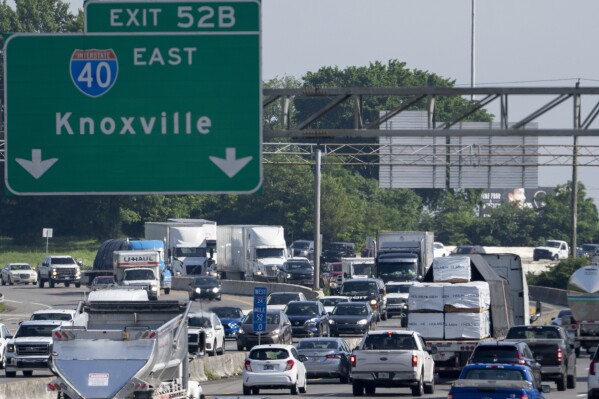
(302,358)
(545,388)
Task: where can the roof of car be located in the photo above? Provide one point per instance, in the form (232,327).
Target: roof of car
(273,346)
(17,263)
(296,258)
(334,297)
(66,311)
(496,365)
(385,332)
(45,322)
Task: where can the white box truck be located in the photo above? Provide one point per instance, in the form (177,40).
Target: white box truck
(138,269)
(403,255)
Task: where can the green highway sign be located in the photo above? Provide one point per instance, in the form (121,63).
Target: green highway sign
(172,16)
(113,113)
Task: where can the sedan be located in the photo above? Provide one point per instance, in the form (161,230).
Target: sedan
(274,367)
(277,331)
(18,273)
(205,288)
(231,318)
(326,358)
(352,318)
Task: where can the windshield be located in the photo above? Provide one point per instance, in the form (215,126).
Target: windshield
(269,354)
(495,354)
(104,280)
(63,261)
(301,245)
(190,252)
(298,308)
(398,289)
(358,288)
(271,318)
(363,269)
(199,322)
(493,374)
(336,246)
(299,266)
(51,316)
(533,333)
(332,301)
(389,342)
(269,252)
(553,244)
(139,274)
(350,310)
(589,247)
(229,313)
(21,267)
(281,299)
(35,331)
(205,281)
(397,271)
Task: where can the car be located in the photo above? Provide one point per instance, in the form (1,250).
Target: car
(338,250)
(205,287)
(302,248)
(18,273)
(329,302)
(326,358)
(296,271)
(494,381)
(278,300)
(214,334)
(354,318)
(54,314)
(308,319)
(508,353)
(558,320)
(101,282)
(277,331)
(588,250)
(468,249)
(397,300)
(371,290)
(5,335)
(230,317)
(593,378)
(439,250)
(274,367)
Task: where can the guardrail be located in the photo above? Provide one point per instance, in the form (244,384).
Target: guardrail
(246,288)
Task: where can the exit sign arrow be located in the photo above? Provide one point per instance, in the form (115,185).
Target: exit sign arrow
(231,165)
(36,167)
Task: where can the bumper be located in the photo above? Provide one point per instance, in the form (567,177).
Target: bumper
(231,333)
(269,380)
(65,279)
(252,340)
(324,369)
(348,329)
(551,372)
(23,280)
(204,295)
(387,379)
(594,392)
(26,363)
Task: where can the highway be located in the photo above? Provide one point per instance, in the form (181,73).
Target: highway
(23,299)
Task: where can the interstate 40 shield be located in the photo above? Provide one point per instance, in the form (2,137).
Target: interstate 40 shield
(133,113)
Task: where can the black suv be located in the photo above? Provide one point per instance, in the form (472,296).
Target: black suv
(371,290)
(338,250)
(507,352)
(205,288)
(296,271)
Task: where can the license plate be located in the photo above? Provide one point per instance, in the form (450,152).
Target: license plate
(66,278)
(268,367)
(383,375)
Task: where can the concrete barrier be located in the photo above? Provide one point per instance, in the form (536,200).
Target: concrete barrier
(246,288)
(553,296)
(27,389)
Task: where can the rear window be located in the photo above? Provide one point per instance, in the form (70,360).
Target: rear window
(269,354)
(350,310)
(494,374)
(389,342)
(282,299)
(533,333)
(52,316)
(495,354)
(320,344)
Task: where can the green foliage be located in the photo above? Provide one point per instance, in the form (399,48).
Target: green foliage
(35,251)
(557,276)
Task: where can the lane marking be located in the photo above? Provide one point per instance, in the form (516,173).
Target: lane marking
(33,303)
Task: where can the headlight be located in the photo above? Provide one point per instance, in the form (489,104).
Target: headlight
(258,273)
(54,271)
(10,347)
(276,331)
(153,288)
(362,322)
(209,334)
(311,322)
(198,290)
(331,321)
(288,275)
(240,331)
(215,289)
(233,325)
(333,284)
(373,302)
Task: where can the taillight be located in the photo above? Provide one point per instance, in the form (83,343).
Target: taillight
(524,396)
(449,396)
(414,360)
(592,368)
(560,354)
(520,360)
(248,365)
(290,364)
(352,360)
(333,356)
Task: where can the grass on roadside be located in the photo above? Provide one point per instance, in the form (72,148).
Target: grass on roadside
(34,254)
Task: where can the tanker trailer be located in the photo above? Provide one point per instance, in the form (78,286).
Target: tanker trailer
(583,299)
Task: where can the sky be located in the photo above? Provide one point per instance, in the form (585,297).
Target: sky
(545,43)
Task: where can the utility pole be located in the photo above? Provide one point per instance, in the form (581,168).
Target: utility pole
(574,203)
(317,249)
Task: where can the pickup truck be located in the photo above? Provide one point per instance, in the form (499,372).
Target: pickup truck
(552,250)
(59,269)
(553,349)
(392,359)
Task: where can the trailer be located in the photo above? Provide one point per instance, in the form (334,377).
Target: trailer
(583,300)
(127,349)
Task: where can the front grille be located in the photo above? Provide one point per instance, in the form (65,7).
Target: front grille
(271,270)
(69,272)
(33,350)
(24,276)
(392,301)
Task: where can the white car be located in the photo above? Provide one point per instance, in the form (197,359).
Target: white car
(593,379)
(274,367)
(329,302)
(5,335)
(439,250)
(54,314)
(18,273)
(214,333)
(279,300)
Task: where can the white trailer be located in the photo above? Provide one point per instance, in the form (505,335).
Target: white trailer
(190,244)
(127,349)
(252,252)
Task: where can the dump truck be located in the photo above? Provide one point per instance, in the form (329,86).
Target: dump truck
(127,349)
(583,300)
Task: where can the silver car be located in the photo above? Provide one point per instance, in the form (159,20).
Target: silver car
(326,357)
(18,273)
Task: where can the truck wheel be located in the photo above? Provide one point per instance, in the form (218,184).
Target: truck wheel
(67,284)
(370,389)
(40,281)
(51,283)
(77,285)
(247,390)
(430,386)
(561,383)
(10,374)
(27,373)
(357,388)
(418,390)
(384,316)
(571,384)
(577,351)
(167,291)
(556,257)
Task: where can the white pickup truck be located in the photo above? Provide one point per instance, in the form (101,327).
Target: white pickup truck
(552,250)
(392,359)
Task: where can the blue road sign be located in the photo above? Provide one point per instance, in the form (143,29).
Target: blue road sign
(260,294)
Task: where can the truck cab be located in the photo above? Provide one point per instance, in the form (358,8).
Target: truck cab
(138,268)
(57,269)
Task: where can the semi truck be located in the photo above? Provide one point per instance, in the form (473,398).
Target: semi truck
(138,269)
(127,349)
(103,263)
(509,306)
(251,252)
(583,300)
(190,244)
(403,255)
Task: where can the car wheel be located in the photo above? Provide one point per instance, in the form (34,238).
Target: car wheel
(40,281)
(357,389)
(561,383)
(3,283)
(222,349)
(384,316)
(418,390)
(247,390)
(344,379)
(294,389)
(370,389)
(255,391)
(304,389)
(67,284)
(3,363)
(535,259)
(77,285)
(213,351)
(167,291)
(27,373)
(10,282)
(577,352)
(51,283)
(240,348)
(429,387)
(571,384)
(10,374)
(556,257)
